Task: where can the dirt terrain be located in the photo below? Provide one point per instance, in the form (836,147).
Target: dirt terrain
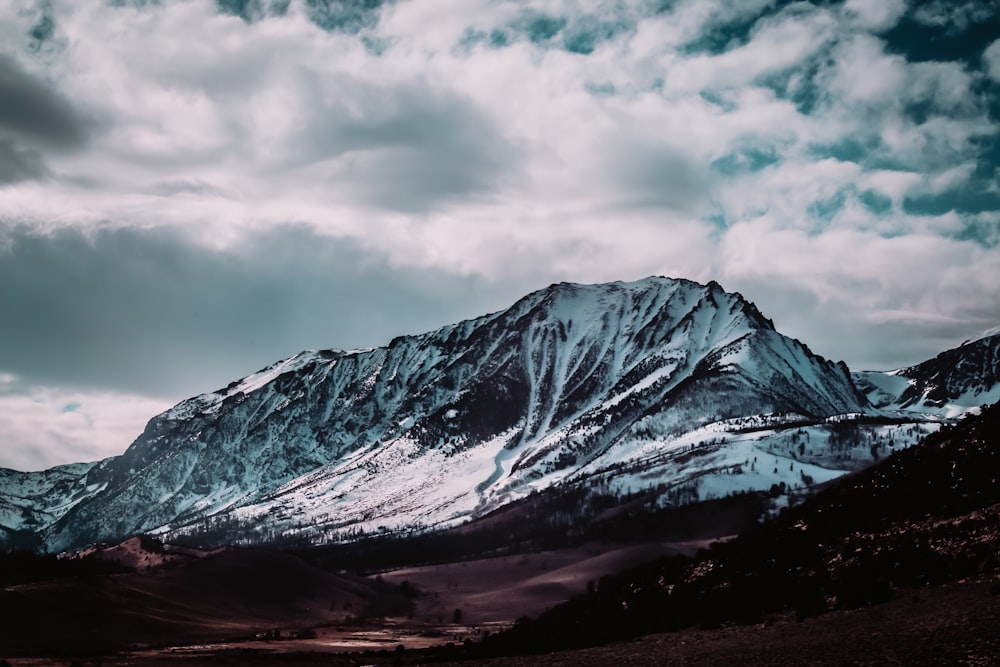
(495,592)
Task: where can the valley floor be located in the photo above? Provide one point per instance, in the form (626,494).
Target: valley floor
(947,625)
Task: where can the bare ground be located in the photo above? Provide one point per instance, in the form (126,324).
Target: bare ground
(496,591)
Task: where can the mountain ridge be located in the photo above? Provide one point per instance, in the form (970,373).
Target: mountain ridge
(948,384)
(611,385)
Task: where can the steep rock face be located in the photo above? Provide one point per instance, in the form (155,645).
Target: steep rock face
(951,383)
(433,429)
(32,500)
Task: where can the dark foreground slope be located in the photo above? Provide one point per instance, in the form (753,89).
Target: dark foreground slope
(953,624)
(926,516)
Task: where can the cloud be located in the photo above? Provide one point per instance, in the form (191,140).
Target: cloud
(152,312)
(991,58)
(875,16)
(19,164)
(33,118)
(400,148)
(655,174)
(34,112)
(869,293)
(46,426)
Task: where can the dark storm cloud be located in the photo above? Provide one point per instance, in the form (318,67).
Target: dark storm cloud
(19,164)
(657,175)
(33,112)
(406,148)
(149,312)
(32,117)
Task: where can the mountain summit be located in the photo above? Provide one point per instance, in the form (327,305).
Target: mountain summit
(610,386)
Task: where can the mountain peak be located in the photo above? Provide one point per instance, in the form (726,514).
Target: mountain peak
(564,300)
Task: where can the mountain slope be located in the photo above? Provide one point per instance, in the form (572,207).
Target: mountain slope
(949,384)
(926,516)
(30,500)
(606,385)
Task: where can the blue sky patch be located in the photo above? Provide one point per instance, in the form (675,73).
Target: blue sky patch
(849,149)
(945,38)
(984,232)
(586,34)
(603,89)
(541,28)
(350,16)
(747,160)
(875,201)
(971,199)
(825,209)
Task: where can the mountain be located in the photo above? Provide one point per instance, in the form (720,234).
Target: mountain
(32,500)
(949,384)
(666,385)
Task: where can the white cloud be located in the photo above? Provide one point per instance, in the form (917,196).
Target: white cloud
(892,183)
(876,16)
(991,57)
(46,426)
(278,121)
(864,76)
(946,86)
(864,289)
(776,45)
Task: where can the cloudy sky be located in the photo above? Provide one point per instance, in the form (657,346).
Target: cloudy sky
(192,189)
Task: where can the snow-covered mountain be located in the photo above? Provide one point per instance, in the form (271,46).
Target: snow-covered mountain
(949,384)
(30,501)
(658,384)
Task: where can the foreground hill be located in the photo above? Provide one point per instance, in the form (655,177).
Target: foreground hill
(660,384)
